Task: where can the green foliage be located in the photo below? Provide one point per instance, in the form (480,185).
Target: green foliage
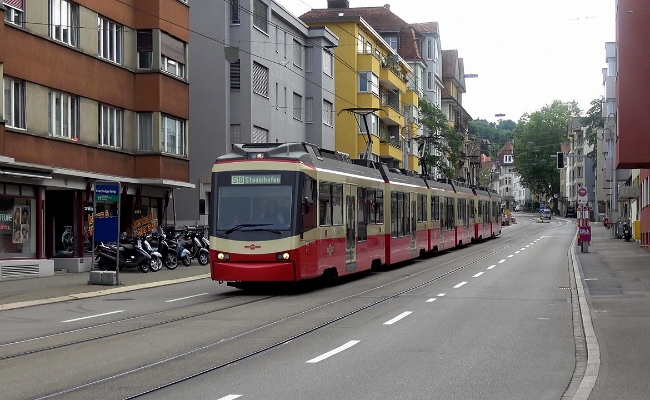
(537,137)
(593,121)
(496,134)
(439,145)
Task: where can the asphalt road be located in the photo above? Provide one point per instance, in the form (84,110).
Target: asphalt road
(490,321)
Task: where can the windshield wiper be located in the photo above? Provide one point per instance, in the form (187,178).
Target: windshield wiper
(238,227)
(264,230)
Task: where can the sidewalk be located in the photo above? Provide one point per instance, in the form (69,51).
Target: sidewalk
(27,292)
(616,283)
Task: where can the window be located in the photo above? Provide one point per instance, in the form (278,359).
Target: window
(369,83)
(507,158)
(110,40)
(145,48)
(328,112)
(235,76)
(328,63)
(235,133)
(64,21)
(260,11)
(260,135)
(324,204)
(110,126)
(429,50)
(63,115)
(145,131)
(368,47)
(14,102)
(260,80)
(297,54)
(360,43)
(309,109)
(234,12)
(373,123)
(435,208)
(392,42)
(309,58)
(14,13)
(173,135)
(429,80)
(172,55)
(297,106)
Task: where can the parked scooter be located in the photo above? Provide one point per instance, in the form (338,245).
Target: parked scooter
(132,255)
(156,258)
(627,231)
(182,253)
(160,244)
(195,246)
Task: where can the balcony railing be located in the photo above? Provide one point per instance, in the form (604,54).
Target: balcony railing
(394,140)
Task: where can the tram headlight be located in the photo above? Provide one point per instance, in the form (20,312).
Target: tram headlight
(283,256)
(223,256)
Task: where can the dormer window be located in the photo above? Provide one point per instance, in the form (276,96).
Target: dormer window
(392,41)
(507,158)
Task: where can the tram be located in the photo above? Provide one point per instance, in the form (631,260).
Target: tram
(287,212)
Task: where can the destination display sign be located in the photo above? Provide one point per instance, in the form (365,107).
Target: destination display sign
(256,180)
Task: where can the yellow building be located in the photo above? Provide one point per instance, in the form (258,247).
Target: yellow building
(369,74)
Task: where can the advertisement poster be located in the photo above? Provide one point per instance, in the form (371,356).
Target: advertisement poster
(21,224)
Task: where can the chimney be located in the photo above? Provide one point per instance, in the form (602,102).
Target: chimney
(338,4)
(387,6)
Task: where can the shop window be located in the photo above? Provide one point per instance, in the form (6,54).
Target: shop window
(17,227)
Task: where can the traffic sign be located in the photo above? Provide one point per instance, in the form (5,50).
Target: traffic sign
(582,195)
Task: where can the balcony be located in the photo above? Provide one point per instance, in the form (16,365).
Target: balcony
(391,76)
(410,97)
(367,100)
(390,105)
(367,62)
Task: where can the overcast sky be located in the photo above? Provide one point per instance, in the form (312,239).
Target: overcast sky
(526,53)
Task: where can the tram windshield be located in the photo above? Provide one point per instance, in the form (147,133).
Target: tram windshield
(258,207)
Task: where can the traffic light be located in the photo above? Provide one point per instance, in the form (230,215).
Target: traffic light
(560,159)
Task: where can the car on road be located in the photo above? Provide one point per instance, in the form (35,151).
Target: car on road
(545,213)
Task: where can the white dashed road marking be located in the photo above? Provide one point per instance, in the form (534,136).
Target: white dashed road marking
(459,285)
(332,352)
(402,315)
(477,275)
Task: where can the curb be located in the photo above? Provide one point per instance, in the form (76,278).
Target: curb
(105,292)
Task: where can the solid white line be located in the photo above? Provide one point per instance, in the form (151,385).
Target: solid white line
(491,266)
(402,315)
(93,316)
(441,294)
(231,397)
(459,285)
(431,300)
(479,274)
(502,261)
(185,298)
(332,352)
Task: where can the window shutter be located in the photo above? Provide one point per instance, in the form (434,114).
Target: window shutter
(260,135)
(145,41)
(235,75)
(172,48)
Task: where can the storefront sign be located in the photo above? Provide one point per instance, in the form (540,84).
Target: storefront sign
(107,193)
(256,180)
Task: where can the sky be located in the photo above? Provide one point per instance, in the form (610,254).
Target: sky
(527,53)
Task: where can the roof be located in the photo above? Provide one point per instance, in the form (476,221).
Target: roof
(426,27)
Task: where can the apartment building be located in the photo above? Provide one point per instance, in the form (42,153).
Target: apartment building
(370,75)
(631,136)
(92,91)
(505,165)
(580,169)
(259,74)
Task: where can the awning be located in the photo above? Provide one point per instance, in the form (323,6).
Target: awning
(25,173)
(17,4)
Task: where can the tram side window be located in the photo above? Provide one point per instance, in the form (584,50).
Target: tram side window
(362,213)
(337,204)
(407,214)
(422,208)
(435,208)
(480,208)
(325,204)
(449,221)
(393,214)
(472,209)
(309,193)
(379,206)
(462,209)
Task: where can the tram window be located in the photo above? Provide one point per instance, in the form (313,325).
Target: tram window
(379,199)
(309,192)
(435,208)
(337,204)
(393,214)
(362,214)
(472,209)
(325,204)
(406,216)
(450,223)
(480,208)
(372,206)
(422,208)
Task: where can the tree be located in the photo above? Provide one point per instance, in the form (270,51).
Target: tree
(593,121)
(537,136)
(439,145)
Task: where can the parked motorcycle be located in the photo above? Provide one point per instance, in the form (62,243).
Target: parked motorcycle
(160,244)
(195,246)
(156,258)
(182,253)
(627,231)
(131,255)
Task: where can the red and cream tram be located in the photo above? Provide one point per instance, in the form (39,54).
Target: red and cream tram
(285,212)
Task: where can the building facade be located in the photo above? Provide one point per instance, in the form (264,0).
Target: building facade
(631,136)
(92,91)
(372,76)
(270,80)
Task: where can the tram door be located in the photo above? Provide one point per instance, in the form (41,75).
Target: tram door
(414,226)
(349,193)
